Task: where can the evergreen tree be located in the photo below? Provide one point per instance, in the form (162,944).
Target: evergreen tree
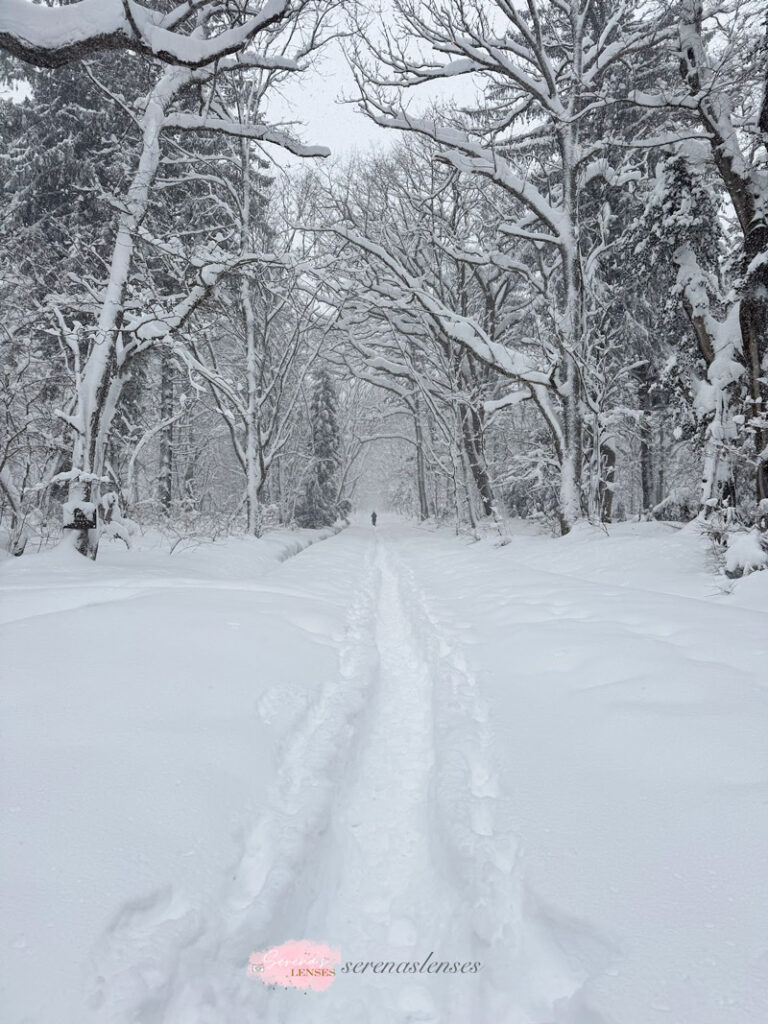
(320,503)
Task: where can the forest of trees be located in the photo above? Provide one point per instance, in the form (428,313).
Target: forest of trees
(551,302)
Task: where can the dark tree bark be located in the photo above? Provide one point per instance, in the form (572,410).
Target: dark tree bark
(607,480)
(472,432)
(421,481)
(165,476)
(646,467)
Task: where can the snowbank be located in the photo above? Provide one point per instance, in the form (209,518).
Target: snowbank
(59,578)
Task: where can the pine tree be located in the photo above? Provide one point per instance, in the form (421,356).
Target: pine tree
(320,503)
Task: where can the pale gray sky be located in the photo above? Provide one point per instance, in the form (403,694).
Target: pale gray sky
(313,98)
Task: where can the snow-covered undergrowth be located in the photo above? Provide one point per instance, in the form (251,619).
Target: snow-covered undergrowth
(547,758)
(58,578)
(668,557)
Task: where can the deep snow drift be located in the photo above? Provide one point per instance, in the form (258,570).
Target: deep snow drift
(549,759)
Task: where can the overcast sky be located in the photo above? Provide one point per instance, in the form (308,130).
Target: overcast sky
(314,98)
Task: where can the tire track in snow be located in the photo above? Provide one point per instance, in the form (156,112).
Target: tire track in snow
(163,961)
(537,960)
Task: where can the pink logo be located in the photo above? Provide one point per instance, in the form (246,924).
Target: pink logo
(296,964)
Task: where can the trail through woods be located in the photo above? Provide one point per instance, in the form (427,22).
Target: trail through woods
(547,760)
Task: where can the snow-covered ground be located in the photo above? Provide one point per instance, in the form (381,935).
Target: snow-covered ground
(549,758)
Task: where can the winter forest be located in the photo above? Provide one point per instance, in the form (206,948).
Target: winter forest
(383,499)
(544,297)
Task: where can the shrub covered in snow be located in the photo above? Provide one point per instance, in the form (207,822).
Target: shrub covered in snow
(679,506)
(747,552)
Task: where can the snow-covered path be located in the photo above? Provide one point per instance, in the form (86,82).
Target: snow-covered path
(547,759)
(397,891)
(389,890)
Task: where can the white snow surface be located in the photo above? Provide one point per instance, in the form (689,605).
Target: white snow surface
(549,757)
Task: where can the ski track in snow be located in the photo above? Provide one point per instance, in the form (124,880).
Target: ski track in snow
(379,838)
(535,959)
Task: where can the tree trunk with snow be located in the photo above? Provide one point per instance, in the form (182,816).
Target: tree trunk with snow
(104,370)
(253,454)
(747,187)
(421,482)
(165,476)
(472,432)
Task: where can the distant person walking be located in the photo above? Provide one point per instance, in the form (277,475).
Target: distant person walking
(373,518)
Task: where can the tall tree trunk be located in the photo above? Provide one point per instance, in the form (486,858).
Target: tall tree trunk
(253,455)
(421,481)
(104,372)
(753,320)
(607,479)
(717,475)
(472,432)
(646,468)
(573,331)
(571,499)
(467,479)
(165,476)
(661,480)
(747,187)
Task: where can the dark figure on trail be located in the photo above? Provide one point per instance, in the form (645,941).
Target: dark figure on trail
(373,518)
